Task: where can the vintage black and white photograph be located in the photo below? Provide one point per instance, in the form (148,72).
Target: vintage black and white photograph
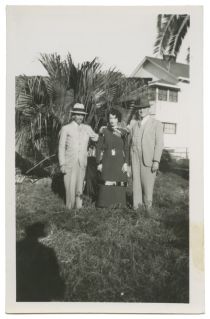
(102,106)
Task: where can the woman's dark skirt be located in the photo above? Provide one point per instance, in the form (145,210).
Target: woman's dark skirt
(111,196)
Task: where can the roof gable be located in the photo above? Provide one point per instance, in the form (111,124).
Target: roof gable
(175,69)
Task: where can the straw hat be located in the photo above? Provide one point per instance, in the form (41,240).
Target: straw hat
(78,109)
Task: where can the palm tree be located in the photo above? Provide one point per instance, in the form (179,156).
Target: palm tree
(86,84)
(172,29)
(43,104)
(32,112)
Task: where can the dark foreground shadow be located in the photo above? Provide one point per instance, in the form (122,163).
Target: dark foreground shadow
(37,269)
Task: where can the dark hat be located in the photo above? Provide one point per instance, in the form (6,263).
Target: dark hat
(143,103)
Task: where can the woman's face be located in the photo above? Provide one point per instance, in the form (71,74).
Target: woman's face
(113,120)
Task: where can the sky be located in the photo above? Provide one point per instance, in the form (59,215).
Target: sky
(119,36)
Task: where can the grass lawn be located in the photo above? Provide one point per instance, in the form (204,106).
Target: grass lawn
(112,255)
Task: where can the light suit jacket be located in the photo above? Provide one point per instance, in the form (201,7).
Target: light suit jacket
(151,143)
(73,144)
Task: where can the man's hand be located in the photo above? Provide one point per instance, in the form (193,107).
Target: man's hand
(63,169)
(155,167)
(99,167)
(129,171)
(125,168)
(101,129)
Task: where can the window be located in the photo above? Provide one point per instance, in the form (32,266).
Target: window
(173,96)
(162,94)
(169,128)
(152,94)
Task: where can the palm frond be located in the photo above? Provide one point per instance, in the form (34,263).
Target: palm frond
(24,101)
(52,64)
(179,35)
(165,25)
(171,31)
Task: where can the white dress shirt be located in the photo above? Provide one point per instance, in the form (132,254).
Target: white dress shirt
(145,119)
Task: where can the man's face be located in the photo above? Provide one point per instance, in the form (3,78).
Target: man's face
(144,112)
(78,118)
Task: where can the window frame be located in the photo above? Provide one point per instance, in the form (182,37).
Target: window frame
(152,93)
(171,96)
(165,94)
(172,124)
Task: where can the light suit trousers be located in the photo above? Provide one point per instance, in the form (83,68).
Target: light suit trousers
(143,181)
(74,181)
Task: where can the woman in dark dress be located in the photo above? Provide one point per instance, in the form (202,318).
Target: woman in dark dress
(112,161)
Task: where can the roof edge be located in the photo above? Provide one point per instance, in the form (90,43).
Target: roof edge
(138,66)
(150,59)
(164,85)
(163,69)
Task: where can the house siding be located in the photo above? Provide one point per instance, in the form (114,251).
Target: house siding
(170,112)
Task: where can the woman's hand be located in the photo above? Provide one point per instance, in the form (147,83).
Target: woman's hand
(99,167)
(125,168)
(117,131)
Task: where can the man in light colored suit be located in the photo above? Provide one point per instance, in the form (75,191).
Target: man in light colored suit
(72,154)
(146,149)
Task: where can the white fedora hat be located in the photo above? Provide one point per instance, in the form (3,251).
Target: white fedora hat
(78,109)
